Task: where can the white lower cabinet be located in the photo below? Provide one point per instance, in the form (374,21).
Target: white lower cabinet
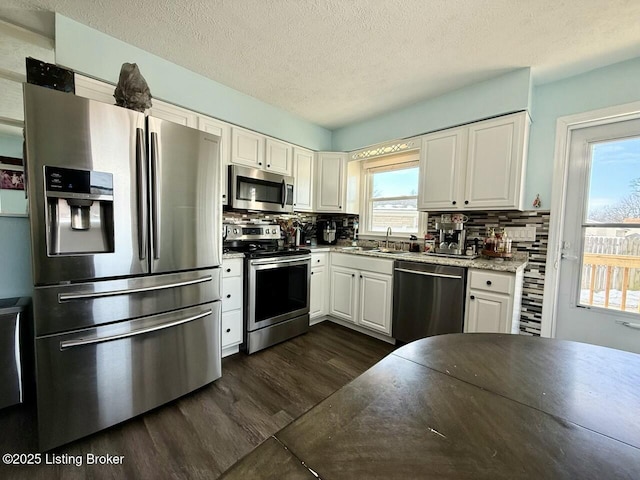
(319,290)
(493,301)
(232,301)
(361,291)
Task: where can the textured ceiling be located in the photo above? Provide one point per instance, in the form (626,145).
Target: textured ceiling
(334,62)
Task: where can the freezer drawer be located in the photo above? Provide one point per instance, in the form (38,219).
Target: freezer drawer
(62,308)
(94,378)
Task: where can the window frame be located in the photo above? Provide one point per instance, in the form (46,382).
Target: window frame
(394,162)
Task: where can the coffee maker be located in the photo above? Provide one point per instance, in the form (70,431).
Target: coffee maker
(327,232)
(452,236)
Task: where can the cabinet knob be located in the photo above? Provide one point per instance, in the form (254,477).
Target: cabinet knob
(353,274)
(229,295)
(466,202)
(259,163)
(311,273)
(360,276)
(294,204)
(224,196)
(489,282)
(228,270)
(268,165)
(318,260)
(453,203)
(472,297)
(228,330)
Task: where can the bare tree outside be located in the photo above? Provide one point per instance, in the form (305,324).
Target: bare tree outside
(626,208)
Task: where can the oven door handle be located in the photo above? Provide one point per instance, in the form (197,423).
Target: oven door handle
(273,260)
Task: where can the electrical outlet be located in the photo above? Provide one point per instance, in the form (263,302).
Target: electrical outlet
(521,234)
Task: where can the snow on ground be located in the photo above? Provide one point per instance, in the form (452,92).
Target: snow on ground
(615,299)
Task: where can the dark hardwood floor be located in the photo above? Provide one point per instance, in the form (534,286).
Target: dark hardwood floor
(203,434)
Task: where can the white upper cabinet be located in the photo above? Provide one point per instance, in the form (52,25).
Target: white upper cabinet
(223,130)
(247,148)
(278,156)
(329,185)
(303,163)
(476,167)
(171,113)
(496,162)
(94,89)
(442,158)
(254,150)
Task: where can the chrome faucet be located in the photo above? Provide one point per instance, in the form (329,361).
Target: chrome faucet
(386,242)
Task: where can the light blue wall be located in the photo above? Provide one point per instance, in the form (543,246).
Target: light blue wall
(89,51)
(605,87)
(15,268)
(503,94)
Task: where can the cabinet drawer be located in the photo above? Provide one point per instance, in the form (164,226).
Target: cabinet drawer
(231,293)
(231,328)
(491,281)
(318,259)
(232,268)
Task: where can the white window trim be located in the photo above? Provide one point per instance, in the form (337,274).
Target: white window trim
(380,164)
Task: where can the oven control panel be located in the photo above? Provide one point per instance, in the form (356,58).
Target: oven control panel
(251,232)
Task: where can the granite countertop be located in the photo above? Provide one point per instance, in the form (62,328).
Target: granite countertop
(514,265)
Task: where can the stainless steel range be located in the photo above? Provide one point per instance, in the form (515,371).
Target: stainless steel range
(276,288)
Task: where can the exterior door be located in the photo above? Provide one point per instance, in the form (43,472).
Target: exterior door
(185,197)
(599,286)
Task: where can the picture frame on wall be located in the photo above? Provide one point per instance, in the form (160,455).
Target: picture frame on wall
(11,173)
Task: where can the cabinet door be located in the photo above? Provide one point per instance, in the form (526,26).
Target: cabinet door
(171,113)
(278,156)
(375,301)
(231,328)
(94,89)
(329,182)
(488,312)
(247,148)
(343,293)
(211,125)
(442,159)
(303,180)
(318,294)
(496,162)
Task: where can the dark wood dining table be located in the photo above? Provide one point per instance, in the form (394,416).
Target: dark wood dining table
(477,406)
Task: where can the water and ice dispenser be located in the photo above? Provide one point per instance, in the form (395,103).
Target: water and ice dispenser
(79,211)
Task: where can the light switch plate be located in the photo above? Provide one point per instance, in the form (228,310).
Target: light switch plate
(521,234)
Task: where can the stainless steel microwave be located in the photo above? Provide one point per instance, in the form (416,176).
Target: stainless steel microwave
(253,189)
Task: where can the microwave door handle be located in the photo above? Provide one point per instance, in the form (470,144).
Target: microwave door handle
(154,207)
(142,194)
(284,193)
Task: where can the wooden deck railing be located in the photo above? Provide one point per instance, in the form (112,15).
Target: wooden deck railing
(611,261)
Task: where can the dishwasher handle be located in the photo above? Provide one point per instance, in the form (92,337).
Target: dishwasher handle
(428,274)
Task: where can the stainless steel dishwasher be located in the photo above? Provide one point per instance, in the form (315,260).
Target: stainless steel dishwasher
(428,300)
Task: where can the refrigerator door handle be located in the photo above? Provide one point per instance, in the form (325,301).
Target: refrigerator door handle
(142,194)
(92,341)
(155,218)
(111,293)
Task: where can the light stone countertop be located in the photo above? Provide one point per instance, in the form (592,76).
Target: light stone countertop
(230,255)
(512,266)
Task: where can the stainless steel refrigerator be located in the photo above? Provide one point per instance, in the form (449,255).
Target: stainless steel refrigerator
(126,243)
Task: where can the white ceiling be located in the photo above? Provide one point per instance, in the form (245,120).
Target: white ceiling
(334,62)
